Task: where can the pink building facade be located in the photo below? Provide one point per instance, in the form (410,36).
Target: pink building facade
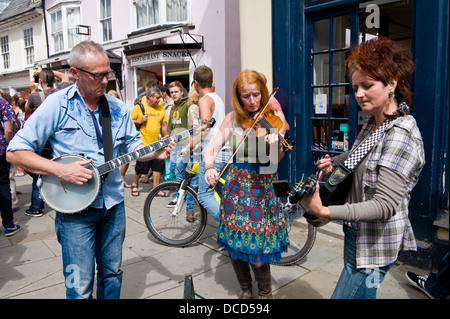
(149,39)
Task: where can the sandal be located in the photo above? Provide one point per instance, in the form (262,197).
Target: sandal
(162,194)
(134,190)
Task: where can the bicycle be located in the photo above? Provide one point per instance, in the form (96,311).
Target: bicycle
(170,225)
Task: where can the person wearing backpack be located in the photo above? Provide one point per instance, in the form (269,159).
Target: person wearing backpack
(150,119)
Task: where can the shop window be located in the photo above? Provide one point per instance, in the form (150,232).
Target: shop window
(330,87)
(178,72)
(145,75)
(161,74)
(336,117)
(391,19)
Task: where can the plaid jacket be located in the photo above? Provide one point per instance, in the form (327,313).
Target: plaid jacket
(400,149)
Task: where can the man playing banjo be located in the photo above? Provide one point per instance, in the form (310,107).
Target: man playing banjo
(71,121)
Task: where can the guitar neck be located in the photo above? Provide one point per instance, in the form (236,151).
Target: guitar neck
(127,158)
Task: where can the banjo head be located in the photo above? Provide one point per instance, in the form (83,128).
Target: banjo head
(66,197)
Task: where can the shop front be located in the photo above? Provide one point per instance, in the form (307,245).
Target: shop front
(161,64)
(309,68)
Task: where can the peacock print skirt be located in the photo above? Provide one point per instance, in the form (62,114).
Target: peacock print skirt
(252,227)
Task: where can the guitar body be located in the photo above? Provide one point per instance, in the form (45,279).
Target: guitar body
(66,197)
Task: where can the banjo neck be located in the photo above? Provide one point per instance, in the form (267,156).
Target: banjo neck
(127,158)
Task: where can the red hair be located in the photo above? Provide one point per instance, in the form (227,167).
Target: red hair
(244,78)
(384,60)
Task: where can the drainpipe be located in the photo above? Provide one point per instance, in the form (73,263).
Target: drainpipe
(45,26)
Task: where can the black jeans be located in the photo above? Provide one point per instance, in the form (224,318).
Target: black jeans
(5,191)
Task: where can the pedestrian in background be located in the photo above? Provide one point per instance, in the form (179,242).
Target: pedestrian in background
(210,106)
(6,134)
(434,285)
(152,124)
(177,122)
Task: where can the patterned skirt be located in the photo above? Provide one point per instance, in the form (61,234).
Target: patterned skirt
(252,227)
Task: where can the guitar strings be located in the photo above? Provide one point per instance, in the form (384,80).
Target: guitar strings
(127,158)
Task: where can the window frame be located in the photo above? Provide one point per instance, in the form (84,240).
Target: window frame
(6,63)
(103,19)
(162,15)
(65,30)
(29,58)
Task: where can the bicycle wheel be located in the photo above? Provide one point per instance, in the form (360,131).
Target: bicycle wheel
(171,228)
(302,236)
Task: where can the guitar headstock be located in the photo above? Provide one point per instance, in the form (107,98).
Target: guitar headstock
(302,189)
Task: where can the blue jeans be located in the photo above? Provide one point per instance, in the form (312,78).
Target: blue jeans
(94,235)
(357,283)
(437,284)
(177,167)
(5,192)
(206,198)
(36,201)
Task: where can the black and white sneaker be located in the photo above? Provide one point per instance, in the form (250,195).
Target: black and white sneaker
(172,203)
(418,282)
(33,213)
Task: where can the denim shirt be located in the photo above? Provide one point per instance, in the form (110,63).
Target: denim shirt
(64,120)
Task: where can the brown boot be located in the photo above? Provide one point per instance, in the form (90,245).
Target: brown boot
(242,270)
(263,277)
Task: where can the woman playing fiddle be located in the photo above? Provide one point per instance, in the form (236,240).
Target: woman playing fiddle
(252,227)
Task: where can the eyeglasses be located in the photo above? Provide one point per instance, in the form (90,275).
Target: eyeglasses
(98,76)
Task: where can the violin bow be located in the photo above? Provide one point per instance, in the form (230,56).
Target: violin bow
(227,163)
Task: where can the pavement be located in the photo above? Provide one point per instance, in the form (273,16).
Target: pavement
(31,264)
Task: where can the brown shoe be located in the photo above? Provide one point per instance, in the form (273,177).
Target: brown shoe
(190,216)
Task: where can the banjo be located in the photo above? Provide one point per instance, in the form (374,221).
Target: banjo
(71,198)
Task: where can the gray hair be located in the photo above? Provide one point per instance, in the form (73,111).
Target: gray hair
(79,52)
(153,91)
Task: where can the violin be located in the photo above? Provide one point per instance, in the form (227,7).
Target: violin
(266,118)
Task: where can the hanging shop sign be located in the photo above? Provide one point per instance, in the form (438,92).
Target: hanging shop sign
(159,56)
